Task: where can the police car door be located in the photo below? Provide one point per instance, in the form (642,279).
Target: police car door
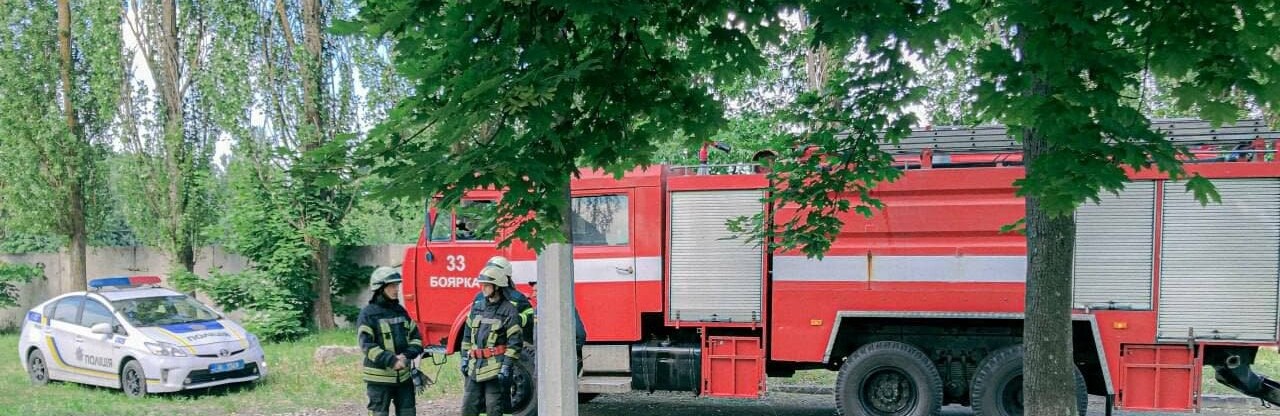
(63,338)
(98,352)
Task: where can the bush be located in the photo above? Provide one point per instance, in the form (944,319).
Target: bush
(276,324)
(348,312)
(275,313)
(12,275)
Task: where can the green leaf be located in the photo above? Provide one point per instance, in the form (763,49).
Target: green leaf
(1204,190)
(344,27)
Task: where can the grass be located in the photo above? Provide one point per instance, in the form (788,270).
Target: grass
(295,382)
(1266,363)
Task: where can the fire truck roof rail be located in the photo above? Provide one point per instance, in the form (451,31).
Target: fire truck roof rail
(994,139)
(714,169)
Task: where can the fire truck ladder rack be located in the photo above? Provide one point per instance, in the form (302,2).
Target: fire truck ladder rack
(1246,137)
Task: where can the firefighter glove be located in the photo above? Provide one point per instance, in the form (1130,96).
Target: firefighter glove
(504,374)
(465,362)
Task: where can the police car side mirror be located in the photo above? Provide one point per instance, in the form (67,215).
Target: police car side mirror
(102,328)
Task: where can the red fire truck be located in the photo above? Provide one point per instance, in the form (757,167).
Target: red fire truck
(916,307)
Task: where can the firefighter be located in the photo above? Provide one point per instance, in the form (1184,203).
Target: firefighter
(491,342)
(514,296)
(580,331)
(521,302)
(390,341)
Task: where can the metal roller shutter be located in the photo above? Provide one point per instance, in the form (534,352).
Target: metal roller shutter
(715,276)
(1218,268)
(1113,253)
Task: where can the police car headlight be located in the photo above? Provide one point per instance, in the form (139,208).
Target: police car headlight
(253,340)
(165,349)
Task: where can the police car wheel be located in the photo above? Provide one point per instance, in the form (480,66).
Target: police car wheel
(37,369)
(132,380)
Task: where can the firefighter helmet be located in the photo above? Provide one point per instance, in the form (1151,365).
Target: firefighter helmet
(502,264)
(383,276)
(495,276)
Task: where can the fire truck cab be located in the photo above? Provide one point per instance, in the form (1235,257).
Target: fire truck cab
(917,306)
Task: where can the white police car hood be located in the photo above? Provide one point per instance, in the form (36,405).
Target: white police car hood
(207,338)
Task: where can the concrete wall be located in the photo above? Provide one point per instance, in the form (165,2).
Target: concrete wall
(124,261)
(388,255)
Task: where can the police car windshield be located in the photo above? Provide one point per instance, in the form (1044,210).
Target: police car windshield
(163,310)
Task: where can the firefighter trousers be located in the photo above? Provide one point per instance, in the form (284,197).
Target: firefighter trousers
(484,398)
(382,396)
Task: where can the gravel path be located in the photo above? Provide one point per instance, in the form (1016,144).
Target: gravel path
(684,404)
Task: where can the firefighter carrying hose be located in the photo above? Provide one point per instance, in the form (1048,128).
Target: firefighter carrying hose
(390,341)
(491,342)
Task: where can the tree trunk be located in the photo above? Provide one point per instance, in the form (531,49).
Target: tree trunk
(313,99)
(175,147)
(168,79)
(64,52)
(1048,367)
(322,309)
(185,256)
(75,222)
(78,279)
(313,70)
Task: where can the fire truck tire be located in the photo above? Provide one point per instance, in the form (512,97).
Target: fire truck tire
(584,398)
(524,389)
(996,389)
(888,378)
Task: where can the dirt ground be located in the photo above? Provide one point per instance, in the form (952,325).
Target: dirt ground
(684,404)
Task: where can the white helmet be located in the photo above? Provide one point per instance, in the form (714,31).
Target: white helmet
(501,263)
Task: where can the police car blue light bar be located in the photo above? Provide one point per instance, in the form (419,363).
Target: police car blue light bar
(124,281)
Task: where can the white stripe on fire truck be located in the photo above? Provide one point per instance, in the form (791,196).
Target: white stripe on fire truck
(644,269)
(901,269)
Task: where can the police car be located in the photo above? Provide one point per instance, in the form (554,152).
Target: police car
(128,333)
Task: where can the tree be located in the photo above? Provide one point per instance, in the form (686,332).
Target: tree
(68,71)
(519,95)
(168,134)
(295,108)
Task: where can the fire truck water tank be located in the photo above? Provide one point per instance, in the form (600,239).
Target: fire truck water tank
(659,365)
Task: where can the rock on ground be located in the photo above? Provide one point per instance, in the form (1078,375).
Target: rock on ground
(326,354)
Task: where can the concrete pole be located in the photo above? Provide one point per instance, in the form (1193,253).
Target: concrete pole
(557,357)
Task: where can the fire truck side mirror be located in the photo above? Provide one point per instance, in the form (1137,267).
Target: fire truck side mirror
(426,233)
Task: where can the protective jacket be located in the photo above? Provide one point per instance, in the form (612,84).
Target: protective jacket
(521,302)
(385,331)
(492,337)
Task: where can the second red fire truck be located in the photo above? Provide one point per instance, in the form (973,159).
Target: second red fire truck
(916,307)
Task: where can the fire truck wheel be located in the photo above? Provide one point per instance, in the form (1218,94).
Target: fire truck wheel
(524,392)
(888,378)
(996,389)
(584,398)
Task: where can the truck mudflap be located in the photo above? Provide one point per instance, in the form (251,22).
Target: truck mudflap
(1232,366)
